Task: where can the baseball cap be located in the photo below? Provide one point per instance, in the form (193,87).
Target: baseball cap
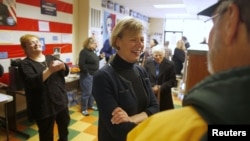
(210,10)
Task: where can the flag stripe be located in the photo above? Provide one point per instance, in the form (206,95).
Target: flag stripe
(32,25)
(24,11)
(15,51)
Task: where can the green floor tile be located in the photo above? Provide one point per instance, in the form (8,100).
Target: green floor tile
(73,133)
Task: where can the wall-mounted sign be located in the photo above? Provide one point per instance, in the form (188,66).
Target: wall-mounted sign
(48,8)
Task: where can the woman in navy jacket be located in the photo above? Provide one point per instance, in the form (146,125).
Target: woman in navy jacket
(122,89)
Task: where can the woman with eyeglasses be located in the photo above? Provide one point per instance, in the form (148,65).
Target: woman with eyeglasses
(45,90)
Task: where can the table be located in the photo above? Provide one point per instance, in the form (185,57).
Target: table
(12,112)
(6,99)
(72,82)
(72,87)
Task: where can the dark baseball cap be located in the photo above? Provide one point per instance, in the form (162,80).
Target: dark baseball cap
(210,10)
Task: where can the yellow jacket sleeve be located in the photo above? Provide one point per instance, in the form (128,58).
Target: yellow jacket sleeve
(183,124)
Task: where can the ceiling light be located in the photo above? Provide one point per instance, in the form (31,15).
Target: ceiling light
(169,6)
(183,15)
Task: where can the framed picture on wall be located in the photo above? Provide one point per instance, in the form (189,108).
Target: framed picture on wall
(127,11)
(122,9)
(117,7)
(110,5)
(42,41)
(109,23)
(57,52)
(104,3)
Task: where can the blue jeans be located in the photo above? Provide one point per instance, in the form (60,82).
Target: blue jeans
(86,81)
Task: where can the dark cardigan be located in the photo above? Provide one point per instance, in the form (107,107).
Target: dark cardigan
(46,98)
(111,90)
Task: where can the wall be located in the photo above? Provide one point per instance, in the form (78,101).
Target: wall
(54,30)
(157,29)
(81,26)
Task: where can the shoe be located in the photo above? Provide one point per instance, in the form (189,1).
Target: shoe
(85,113)
(94,108)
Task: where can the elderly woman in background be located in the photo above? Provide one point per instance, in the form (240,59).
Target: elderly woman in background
(122,89)
(162,76)
(179,56)
(45,91)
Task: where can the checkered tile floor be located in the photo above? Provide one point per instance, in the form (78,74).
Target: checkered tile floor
(81,127)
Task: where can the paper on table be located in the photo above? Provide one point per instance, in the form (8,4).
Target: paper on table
(5,98)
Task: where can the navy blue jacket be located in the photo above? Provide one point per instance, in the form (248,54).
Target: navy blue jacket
(111,91)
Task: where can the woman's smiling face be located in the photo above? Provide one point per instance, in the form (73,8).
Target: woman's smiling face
(130,46)
(158,57)
(33,45)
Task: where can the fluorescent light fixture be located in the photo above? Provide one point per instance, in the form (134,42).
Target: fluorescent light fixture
(182,15)
(169,6)
(177,15)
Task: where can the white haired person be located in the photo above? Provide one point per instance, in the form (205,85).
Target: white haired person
(162,76)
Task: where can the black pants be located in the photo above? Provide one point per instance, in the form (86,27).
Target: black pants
(46,126)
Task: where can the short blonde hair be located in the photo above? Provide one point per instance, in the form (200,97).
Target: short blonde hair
(158,49)
(126,24)
(26,38)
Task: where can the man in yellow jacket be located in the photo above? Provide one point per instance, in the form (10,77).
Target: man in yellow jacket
(220,99)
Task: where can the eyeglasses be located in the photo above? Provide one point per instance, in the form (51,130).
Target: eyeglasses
(217,14)
(33,43)
(211,18)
